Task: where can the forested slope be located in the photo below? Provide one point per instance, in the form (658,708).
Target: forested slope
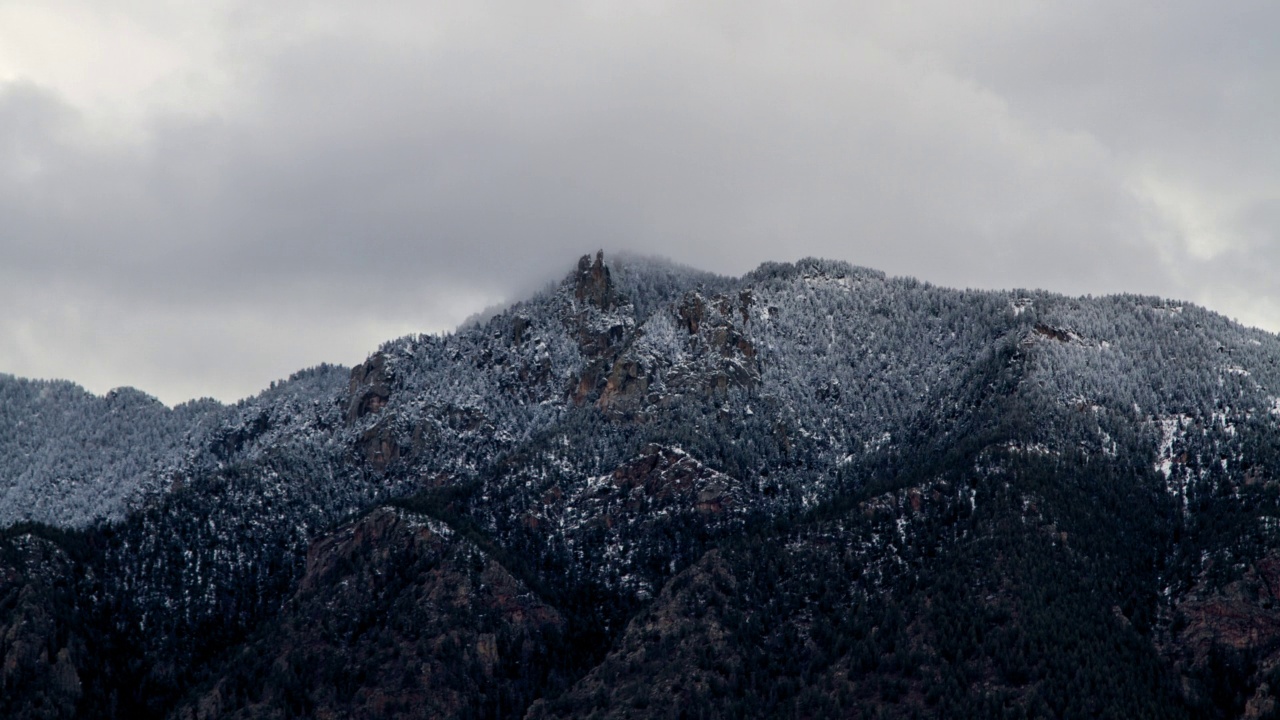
(811,491)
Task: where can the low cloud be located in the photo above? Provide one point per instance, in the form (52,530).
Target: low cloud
(303,180)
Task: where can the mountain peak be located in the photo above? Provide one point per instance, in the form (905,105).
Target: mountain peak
(593,283)
(805,490)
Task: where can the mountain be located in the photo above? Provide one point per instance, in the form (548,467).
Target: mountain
(70,457)
(648,491)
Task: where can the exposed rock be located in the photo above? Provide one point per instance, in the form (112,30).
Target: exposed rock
(627,385)
(519,326)
(370,387)
(1239,620)
(602,323)
(1054,333)
(674,480)
(1062,335)
(379,446)
(692,312)
(593,283)
(716,355)
(722,356)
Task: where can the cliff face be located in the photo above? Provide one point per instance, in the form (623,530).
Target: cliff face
(369,389)
(812,491)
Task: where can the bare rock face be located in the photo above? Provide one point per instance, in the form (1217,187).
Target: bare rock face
(1235,625)
(602,323)
(396,616)
(728,356)
(593,283)
(711,354)
(378,445)
(625,372)
(367,394)
(627,385)
(602,319)
(660,482)
(370,387)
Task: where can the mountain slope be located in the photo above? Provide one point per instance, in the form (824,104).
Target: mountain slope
(70,458)
(813,490)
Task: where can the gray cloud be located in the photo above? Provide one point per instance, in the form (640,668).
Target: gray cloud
(359,173)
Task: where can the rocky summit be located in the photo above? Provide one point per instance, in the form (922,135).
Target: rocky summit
(812,491)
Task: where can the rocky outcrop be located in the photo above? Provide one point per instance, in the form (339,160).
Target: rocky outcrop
(722,355)
(369,389)
(379,446)
(602,320)
(593,283)
(1233,631)
(712,356)
(624,375)
(1042,331)
(661,480)
(602,323)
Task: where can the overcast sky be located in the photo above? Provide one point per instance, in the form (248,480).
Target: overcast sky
(199,198)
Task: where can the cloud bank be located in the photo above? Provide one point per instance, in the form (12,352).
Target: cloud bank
(199,202)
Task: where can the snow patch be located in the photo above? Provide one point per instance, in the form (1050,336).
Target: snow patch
(1172,428)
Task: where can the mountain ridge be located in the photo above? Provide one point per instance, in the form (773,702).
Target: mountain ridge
(813,468)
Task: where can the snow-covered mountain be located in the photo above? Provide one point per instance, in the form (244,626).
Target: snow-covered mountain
(812,490)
